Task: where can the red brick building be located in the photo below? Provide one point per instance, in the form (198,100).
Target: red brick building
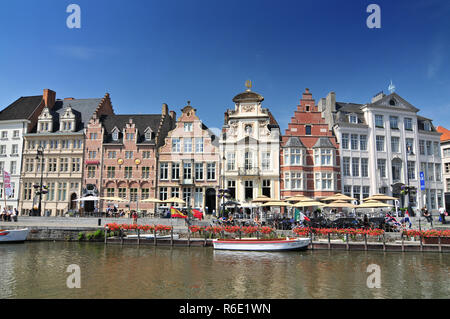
(121,158)
(309,156)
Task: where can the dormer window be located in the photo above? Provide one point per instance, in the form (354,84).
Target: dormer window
(115,136)
(188,127)
(352,118)
(426,126)
(148,134)
(392,102)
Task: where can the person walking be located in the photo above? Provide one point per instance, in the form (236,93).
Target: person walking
(427,215)
(442,214)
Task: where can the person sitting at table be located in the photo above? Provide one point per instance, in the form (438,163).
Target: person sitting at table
(256,220)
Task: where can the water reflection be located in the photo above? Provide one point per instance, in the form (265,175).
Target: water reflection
(38,270)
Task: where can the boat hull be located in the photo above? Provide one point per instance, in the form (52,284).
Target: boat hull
(262,245)
(13,236)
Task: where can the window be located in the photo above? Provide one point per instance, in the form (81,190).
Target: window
(175,170)
(393,120)
(187,170)
(76,164)
(355,166)
(112,154)
(396,170)
(4,134)
(409,146)
(52,165)
(146,154)
(353,119)
(187,195)
(16,134)
(438,172)
(380,143)
(13,167)
(115,135)
(122,192)
(93,136)
(248,160)
(176,145)
(111,172)
(411,170)
(231,161)
(433,198)
(265,161)
(308,130)
(348,190)
(198,197)
(430,171)
(326,157)
(231,186)
(2,149)
(381,165)
(91,171)
(363,142)
(327,181)
(379,121)
(92,154)
(437,151)
(248,187)
(27,190)
(266,187)
(163,193)
(110,192)
(199,145)
(357,192)
(15,149)
(128,154)
(294,181)
(365,191)
(164,171)
(145,172)
(364,167)
(354,141)
(211,171)
(188,145)
(293,156)
(408,124)
(345,141)
(429,149)
(447,168)
(395,143)
(199,171)
(188,127)
(248,129)
(346,166)
(133,194)
(64,165)
(51,191)
(145,193)
(62,190)
(148,135)
(130,136)
(422,147)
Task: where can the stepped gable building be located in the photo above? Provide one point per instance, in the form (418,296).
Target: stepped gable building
(309,155)
(249,150)
(385,145)
(445,151)
(121,158)
(189,163)
(16,120)
(60,133)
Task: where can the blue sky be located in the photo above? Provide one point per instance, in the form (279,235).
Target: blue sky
(145,53)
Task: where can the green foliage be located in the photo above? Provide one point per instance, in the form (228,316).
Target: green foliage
(99,234)
(81,236)
(90,236)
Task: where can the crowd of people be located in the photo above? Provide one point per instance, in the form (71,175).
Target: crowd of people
(9,215)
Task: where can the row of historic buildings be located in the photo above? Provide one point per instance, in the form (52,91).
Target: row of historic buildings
(328,147)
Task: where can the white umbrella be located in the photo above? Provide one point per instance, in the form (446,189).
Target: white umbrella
(87,198)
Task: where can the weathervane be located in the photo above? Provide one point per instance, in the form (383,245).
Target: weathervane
(248,84)
(391,87)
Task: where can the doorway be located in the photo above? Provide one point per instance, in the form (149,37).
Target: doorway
(210,200)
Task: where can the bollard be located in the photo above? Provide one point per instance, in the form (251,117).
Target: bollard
(421,244)
(99,222)
(347,247)
(189,238)
(171,237)
(403,243)
(365,242)
(240,235)
(311,239)
(329,241)
(257,235)
(139,237)
(204,243)
(121,237)
(106,234)
(154,237)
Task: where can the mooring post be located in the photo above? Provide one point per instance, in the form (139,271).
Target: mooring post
(189,238)
(311,239)
(421,244)
(384,242)
(240,235)
(171,236)
(106,234)
(139,237)
(347,247)
(403,243)
(329,241)
(204,243)
(121,237)
(365,242)
(257,235)
(440,246)
(154,236)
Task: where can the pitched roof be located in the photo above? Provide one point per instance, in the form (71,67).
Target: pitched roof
(140,121)
(21,109)
(248,96)
(445,133)
(323,142)
(294,141)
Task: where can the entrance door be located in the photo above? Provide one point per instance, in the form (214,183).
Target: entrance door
(73,203)
(210,200)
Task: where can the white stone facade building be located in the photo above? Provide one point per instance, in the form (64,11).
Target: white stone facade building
(250,150)
(383,145)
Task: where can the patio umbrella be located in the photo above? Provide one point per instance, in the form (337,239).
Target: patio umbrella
(151,200)
(298,198)
(174,200)
(277,203)
(114,199)
(373,204)
(340,204)
(82,199)
(308,203)
(261,199)
(380,197)
(338,197)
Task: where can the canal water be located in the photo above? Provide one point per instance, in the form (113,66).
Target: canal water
(39,270)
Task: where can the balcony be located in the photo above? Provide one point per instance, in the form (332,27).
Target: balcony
(254,171)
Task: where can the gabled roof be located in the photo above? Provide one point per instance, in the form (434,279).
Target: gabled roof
(294,141)
(323,142)
(445,133)
(401,103)
(21,109)
(141,122)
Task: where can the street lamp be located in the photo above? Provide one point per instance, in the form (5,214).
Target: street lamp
(223,194)
(409,152)
(40,154)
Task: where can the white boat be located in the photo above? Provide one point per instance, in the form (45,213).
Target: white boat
(151,236)
(14,235)
(255,244)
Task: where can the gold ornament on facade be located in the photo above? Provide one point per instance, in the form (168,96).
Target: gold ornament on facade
(137,161)
(248,84)
(120,161)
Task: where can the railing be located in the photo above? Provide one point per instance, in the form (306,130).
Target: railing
(254,171)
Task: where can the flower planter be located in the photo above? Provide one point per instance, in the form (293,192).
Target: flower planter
(435,240)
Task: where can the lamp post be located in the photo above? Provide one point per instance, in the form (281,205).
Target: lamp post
(223,194)
(409,152)
(40,154)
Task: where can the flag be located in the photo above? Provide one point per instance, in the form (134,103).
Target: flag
(176,213)
(197,214)
(304,217)
(7,183)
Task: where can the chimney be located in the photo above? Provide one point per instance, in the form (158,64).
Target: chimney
(378,97)
(49,98)
(331,102)
(173,115)
(165,109)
